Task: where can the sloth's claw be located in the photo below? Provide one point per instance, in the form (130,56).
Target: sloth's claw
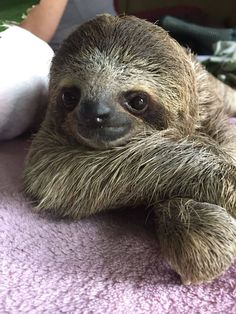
(197,239)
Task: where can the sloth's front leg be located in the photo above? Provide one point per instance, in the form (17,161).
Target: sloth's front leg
(197,239)
(164,168)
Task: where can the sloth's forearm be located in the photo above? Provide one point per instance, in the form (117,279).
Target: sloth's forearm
(79,183)
(161,168)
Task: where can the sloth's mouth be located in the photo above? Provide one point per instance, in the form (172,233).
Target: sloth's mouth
(103,133)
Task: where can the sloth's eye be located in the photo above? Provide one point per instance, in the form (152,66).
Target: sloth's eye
(70,97)
(136,102)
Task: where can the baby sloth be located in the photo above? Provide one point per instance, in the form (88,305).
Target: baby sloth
(132,120)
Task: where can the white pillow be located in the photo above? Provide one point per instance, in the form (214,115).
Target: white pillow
(24,67)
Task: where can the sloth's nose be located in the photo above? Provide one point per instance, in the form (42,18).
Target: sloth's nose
(94,112)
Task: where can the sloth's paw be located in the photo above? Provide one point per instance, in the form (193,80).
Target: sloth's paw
(197,239)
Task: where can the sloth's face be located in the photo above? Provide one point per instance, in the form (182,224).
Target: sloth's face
(115,77)
(103,122)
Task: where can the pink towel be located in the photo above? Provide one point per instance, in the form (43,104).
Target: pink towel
(105,264)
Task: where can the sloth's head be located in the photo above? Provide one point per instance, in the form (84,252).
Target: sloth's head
(117,76)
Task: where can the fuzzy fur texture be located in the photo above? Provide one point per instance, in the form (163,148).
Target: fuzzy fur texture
(108,263)
(182,164)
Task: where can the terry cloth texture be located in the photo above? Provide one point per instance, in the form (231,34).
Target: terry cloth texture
(104,264)
(24,80)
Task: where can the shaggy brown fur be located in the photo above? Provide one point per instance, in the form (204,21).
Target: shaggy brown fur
(134,119)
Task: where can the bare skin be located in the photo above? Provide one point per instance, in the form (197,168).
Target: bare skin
(42,20)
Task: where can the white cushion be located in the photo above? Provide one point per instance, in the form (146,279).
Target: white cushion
(24,67)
